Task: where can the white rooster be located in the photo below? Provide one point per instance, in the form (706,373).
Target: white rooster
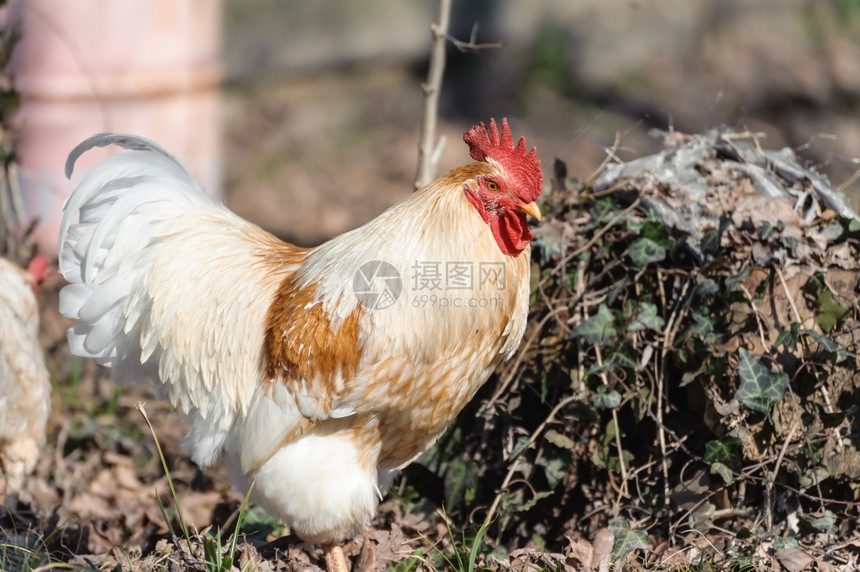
(317,391)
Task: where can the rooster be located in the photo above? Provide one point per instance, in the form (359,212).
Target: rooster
(25,388)
(318,373)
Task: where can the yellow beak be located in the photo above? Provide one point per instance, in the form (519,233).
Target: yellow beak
(531,209)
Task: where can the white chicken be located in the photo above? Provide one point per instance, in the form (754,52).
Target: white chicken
(25,388)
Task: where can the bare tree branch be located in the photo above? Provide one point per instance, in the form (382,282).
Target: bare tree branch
(427,144)
(429,147)
(472,46)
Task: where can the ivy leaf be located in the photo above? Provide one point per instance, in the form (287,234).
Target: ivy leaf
(647,318)
(460,482)
(759,388)
(712,237)
(838,354)
(644,251)
(787,542)
(554,467)
(703,323)
(604,209)
(706,287)
(689,376)
(654,228)
(724,471)
(558,439)
(788,338)
(830,420)
(530,504)
(842,355)
(830,312)
(724,451)
(790,244)
(605,455)
(825,342)
(620,359)
(826,523)
(626,539)
(597,329)
(735,282)
(767,230)
(520,445)
(605,398)
(723,457)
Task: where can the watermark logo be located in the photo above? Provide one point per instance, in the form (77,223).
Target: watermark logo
(377,285)
(449,284)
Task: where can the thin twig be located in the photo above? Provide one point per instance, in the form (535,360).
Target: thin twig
(828,405)
(660,371)
(625,491)
(514,368)
(610,156)
(788,295)
(532,439)
(805,436)
(635,204)
(758,319)
(611,152)
(849,181)
(472,45)
(429,146)
(769,483)
(427,142)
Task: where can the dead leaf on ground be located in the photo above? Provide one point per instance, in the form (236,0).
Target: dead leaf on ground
(794,559)
(603,542)
(580,550)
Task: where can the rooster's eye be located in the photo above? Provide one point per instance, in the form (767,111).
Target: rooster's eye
(492,186)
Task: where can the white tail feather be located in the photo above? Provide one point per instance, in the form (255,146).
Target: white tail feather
(167,284)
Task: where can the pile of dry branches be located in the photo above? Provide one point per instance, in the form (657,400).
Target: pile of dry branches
(688,376)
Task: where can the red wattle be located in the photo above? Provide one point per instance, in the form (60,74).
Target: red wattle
(512,232)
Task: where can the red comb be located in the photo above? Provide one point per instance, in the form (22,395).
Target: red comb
(522,167)
(39,268)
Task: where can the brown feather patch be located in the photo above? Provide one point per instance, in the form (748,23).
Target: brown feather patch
(456,177)
(304,349)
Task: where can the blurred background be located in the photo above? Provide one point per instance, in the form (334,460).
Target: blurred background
(304,116)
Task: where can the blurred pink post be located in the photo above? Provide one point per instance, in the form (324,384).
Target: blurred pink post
(148,67)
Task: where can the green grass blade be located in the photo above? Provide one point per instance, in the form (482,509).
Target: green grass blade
(140,407)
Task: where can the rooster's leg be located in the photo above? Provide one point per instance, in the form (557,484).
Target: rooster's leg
(334,560)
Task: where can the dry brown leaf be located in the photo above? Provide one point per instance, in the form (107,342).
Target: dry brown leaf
(690,493)
(844,284)
(603,542)
(530,558)
(756,209)
(197,507)
(377,549)
(794,559)
(842,255)
(88,505)
(824,566)
(580,550)
(367,561)
(675,556)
